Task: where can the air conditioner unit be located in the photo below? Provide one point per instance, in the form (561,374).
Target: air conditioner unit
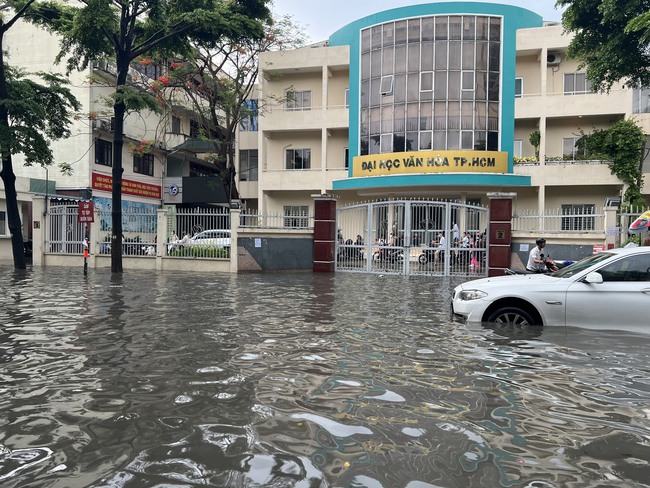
(101,124)
(553,59)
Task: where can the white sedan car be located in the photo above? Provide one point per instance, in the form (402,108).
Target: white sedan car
(604,291)
(213,237)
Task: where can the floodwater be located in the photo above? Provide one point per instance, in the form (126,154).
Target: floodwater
(299,380)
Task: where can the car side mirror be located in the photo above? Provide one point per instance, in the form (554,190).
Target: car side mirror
(593,278)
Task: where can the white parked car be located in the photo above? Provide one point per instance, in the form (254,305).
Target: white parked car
(213,237)
(607,290)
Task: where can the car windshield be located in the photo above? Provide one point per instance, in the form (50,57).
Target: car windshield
(577,267)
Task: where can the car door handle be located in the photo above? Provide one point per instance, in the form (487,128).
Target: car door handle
(553,302)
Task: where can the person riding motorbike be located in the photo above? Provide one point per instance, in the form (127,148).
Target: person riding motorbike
(537,262)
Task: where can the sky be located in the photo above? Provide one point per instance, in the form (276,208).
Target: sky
(323,18)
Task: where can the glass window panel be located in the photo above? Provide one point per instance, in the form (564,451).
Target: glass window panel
(482,28)
(454,85)
(580,82)
(386,143)
(375,92)
(364,123)
(441,55)
(377,32)
(467,140)
(469,48)
(519,87)
(481,85)
(412,118)
(480,116)
(426,81)
(467,115)
(453,115)
(364,146)
(495,56)
(493,141)
(364,98)
(493,87)
(426,114)
(414,58)
(389,34)
(468,80)
(365,66)
(440,85)
(399,118)
(455,27)
(375,121)
(427,29)
(453,140)
(386,119)
(480,140)
(427,56)
(413,87)
(495,29)
(469,27)
(482,56)
(517,148)
(440,115)
(493,116)
(414,30)
(455,55)
(374,146)
(439,140)
(365,40)
(442,28)
(401,32)
(306,99)
(569,83)
(399,88)
(398,142)
(568,146)
(375,64)
(387,61)
(425,140)
(400,59)
(412,141)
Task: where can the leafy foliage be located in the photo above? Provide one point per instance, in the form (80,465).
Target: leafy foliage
(201,252)
(611,40)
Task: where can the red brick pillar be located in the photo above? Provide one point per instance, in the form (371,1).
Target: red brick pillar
(500,232)
(324,233)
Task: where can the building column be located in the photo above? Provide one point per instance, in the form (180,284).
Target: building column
(324,233)
(500,232)
(235,214)
(38,229)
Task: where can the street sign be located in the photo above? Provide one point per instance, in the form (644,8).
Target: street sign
(86,212)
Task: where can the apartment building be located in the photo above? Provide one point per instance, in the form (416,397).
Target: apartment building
(435,101)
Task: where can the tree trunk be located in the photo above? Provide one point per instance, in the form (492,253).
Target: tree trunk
(7,174)
(118,143)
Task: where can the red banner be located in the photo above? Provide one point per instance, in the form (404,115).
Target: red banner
(105,183)
(86,212)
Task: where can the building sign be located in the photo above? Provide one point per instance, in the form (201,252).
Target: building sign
(86,212)
(431,162)
(105,182)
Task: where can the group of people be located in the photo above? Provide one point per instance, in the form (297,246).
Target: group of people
(468,241)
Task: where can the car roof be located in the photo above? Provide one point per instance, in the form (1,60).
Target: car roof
(623,251)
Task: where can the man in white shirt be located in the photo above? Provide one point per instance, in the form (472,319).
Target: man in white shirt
(536,260)
(442,242)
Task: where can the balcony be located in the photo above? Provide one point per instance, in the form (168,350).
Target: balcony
(568,173)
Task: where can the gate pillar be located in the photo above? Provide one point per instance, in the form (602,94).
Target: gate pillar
(324,233)
(500,232)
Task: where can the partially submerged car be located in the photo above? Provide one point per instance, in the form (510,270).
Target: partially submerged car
(212,237)
(603,291)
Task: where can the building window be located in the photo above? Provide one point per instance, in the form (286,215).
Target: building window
(570,149)
(298,158)
(195,129)
(143,164)
(296,216)
(641,101)
(519,87)
(176,125)
(248,165)
(248,121)
(426,81)
(386,85)
(346,98)
(3,223)
(578,217)
(103,152)
(517,150)
(576,83)
(298,100)
(346,157)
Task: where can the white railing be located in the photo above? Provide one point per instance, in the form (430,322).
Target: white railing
(139,228)
(254,220)
(559,220)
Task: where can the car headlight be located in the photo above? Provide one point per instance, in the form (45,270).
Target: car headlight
(467,295)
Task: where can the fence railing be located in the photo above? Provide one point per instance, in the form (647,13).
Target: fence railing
(139,231)
(291,220)
(559,220)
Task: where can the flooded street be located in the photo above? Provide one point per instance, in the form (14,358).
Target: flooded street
(300,380)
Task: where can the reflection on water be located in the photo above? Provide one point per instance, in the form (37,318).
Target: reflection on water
(301,380)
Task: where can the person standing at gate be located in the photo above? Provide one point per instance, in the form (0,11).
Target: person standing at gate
(442,242)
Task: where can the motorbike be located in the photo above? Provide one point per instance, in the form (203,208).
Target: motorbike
(551,267)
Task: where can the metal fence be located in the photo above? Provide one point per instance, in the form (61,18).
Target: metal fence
(65,234)
(624,218)
(139,231)
(583,219)
(202,232)
(292,218)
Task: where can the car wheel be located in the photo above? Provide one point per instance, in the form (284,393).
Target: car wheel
(423,259)
(511,315)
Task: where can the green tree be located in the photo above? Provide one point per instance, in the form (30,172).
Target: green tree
(219,77)
(35,108)
(535,139)
(610,39)
(124,30)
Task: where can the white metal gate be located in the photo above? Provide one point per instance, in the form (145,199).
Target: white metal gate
(412,237)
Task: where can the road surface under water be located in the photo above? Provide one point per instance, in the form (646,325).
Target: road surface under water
(299,380)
